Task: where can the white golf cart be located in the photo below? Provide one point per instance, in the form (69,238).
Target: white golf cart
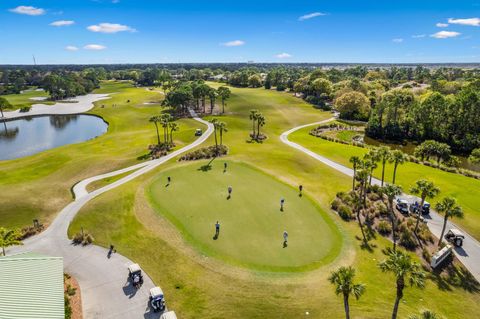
(402,206)
(198,132)
(135,275)
(455,236)
(157,300)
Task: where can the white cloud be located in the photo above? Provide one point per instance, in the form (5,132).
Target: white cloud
(235,43)
(418,36)
(283,55)
(28,10)
(445,34)
(110,28)
(397,40)
(71,48)
(442,25)
(475,22)
(62,23)
(94,47)
(311,16)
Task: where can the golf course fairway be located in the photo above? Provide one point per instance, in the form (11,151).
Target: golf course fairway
(252,224)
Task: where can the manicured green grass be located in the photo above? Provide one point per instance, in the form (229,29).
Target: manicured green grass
(252,224)
(465,189)
(25,183)
(198,285)
(24,99)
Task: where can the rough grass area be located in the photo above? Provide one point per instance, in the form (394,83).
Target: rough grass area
(25,99)
(252,223)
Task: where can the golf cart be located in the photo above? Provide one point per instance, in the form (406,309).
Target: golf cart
(415,208)
(198,132)
(402,206)
(455,236)
(135,275)
(157,301)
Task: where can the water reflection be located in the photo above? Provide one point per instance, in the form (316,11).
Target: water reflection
(27,136)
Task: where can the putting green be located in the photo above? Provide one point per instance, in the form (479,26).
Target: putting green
(252,225)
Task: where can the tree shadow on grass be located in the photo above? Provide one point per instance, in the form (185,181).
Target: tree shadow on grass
(207,167)
(449,275)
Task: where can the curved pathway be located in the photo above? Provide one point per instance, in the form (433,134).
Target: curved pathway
(103,281)
(469,254)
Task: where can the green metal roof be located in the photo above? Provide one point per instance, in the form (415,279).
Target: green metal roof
(31,286)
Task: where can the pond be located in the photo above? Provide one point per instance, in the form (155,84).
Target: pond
(31,135)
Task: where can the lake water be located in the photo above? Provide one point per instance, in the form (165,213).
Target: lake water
(28,136)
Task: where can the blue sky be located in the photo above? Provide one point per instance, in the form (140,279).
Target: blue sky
(140,31)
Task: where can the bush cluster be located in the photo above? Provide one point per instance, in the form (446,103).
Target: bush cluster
(205,153)
(83,238)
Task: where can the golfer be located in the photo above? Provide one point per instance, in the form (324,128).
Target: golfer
(285,237)
(217,229)
(230,190)
(300,188)
(169,179)
(225,166)
(282,202)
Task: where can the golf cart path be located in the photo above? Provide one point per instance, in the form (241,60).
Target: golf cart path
(103,281)
(469,254)
(77,105)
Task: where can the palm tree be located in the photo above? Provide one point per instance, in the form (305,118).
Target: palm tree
(212,95)
(355,160)
(392,191)
(215,127)
(426,314)
(173,128)
(9,238)
(155,120)
(357,208)
(222,127)
(253,118)
(362,178)
(3,104)
(224,93)
(165,119)
(449,208)
(342,279)
(260,122)
(397,158)
(405,271)
(424,189)
(384,156)
(370,160)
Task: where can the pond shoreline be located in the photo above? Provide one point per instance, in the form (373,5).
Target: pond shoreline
(84,103)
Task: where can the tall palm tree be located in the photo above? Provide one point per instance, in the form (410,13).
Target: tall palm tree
(357,208)
(397,158)
(371,159)
(253,118)
(362,178)
(3,104)
(173,128)
(424,189)
(222,127)
(212,95)
(165,119)
(224,93)
(384,156)
(155,120)
(392,191)
(449,208)
(342,279)
(355,160)
(405,271)
(9,238)
(260,123)
(215,129)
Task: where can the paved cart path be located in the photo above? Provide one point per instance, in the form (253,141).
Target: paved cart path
(103,281)
(469,254)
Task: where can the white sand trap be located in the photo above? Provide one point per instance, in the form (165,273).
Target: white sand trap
(39,98)
(82,104)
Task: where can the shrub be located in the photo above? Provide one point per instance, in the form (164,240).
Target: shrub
(381,208)
(345,212)
(205,153)
(83,238)
(407,239)
(384,227)
(25,109)
(335,203)
(426,254)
